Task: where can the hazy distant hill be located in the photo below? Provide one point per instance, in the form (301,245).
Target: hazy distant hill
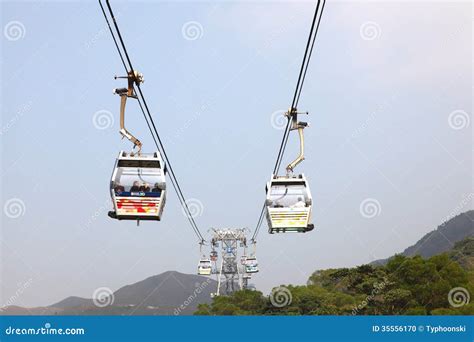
(72,302)
(14,310)
(169,293)
(442,239)
(168,289)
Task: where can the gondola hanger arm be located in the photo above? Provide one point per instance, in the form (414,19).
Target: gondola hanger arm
(300,126)
(133,77)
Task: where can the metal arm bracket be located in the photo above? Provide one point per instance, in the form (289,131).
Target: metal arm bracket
(133,77)
(300,126)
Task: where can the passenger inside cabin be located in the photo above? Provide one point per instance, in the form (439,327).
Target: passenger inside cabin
(299,204)
(156,188)
(119,188)
(277,204)
(145,187)
(135,187)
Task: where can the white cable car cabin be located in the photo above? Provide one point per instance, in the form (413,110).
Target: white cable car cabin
(289,200)
(251,265)
(204,267)
(138,187)
(289,204)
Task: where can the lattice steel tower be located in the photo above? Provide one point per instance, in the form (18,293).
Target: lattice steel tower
(231,275)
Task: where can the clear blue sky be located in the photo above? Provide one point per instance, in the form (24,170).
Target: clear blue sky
(389,92)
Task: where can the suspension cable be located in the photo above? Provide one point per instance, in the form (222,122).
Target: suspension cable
(113,36)
(310,51)
(152,127)
(301,77)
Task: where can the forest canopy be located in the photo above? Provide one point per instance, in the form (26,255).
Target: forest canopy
(440,285)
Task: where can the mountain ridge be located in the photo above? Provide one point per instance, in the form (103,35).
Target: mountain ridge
(167,293)
(440,240)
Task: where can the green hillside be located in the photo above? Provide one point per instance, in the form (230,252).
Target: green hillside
(404,286)
(463,253)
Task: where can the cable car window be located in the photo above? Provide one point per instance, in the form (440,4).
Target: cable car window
(139,180)
(251,262)
(293,196)
(139,163)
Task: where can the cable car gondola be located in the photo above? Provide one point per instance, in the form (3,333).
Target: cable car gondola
(138,185)
(251,265)
(204,267)
(289,202)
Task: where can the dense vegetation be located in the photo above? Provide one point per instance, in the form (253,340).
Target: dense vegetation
(404,286)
